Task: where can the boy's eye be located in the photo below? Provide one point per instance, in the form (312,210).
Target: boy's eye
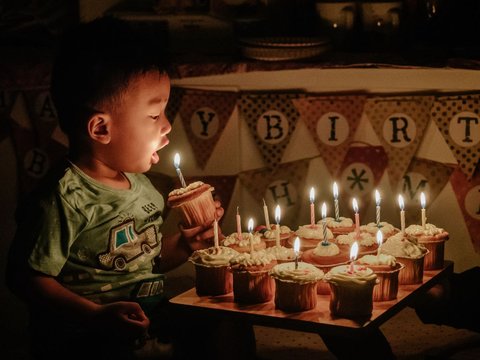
(155,117)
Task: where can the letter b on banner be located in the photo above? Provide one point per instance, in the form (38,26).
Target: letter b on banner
(272,127)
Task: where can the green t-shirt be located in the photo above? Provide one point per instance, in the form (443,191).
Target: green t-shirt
(97,241)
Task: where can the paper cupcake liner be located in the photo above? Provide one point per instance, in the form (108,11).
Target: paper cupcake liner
(212,281)
(387,287)
(292,297)
(435,258)
(350,301)
(198,211)
(253,287)
(412,273)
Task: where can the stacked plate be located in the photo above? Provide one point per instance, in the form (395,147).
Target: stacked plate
(283,48)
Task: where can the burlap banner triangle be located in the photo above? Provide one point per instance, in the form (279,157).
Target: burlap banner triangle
(399,123)
(284,187)
(458,119)
(332,121)
(427,176)
(6,101)
(42,113)
(360,173)
(174,102)
(468,197)
(272,119)
(204,115)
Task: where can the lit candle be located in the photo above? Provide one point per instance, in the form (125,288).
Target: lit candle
(277,219)
(312,208)
(250,230)
(296,249)
(265,213)
(377,201)
(324,223)
(353,256)
(424,217)
(239,226)
(357,217)
(176,163)
(402,213)
(215,233)
(335,200)
(379,240)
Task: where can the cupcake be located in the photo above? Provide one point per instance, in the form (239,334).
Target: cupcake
(406,249)
(310,236)
(367,242)
(194,202)
(433,238)
(387,269)
(243,244)
(339,227)
(251,282)
(387,229)
(325,256)
(282,254)
(212,275)
(269,236)
(351,294)
(296,287)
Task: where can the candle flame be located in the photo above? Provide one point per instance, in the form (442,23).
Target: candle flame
(312,195)
(354,251)
(422,200)
(355,205)
(250,225)
(377,198)
(400,202)
(324,210)
(278,213)
(296,245)
(379,238)
(335,191)
(176,160)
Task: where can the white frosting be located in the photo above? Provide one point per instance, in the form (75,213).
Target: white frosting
(258,258)
(341,274)
(272,233)
(234,240)
(380,259)
(400,245)
(281,252)
(385,228)
(213,257)
(332,223)
(303,274)
(366,239)
(329,249)
(315,232)
(430,230)
(184,190)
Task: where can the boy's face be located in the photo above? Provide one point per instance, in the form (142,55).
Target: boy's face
(139,125)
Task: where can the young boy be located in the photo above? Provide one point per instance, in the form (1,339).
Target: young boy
(84,252)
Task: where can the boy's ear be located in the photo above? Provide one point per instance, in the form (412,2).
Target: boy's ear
(99,128)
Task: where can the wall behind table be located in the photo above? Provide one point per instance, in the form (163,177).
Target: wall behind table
(237,152)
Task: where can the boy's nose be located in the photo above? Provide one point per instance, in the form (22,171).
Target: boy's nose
(166,127)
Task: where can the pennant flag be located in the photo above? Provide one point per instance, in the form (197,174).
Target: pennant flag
(427,176)
(332,121)
(399,122)
(174,102)
(458,119)
(360,173)
(6,101)
(468,197)
(272,119)
(283,187)
(204,115)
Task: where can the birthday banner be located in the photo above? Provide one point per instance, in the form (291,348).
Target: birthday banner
(458,118)
(360,173)
(399,123)
(204,115)
(332,121)
(468,197)
(271,118)
(427,176)
(284,186)
(174,102)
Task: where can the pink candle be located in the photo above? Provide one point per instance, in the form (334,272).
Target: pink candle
(357,217)
(312,207)
(215,233)
(239,226)
(250,231)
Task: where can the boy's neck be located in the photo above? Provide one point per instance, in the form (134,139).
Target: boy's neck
(102,173)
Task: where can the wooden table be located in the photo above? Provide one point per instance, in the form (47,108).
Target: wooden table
(317,320)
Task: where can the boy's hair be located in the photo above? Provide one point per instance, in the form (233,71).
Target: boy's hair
(95,64)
